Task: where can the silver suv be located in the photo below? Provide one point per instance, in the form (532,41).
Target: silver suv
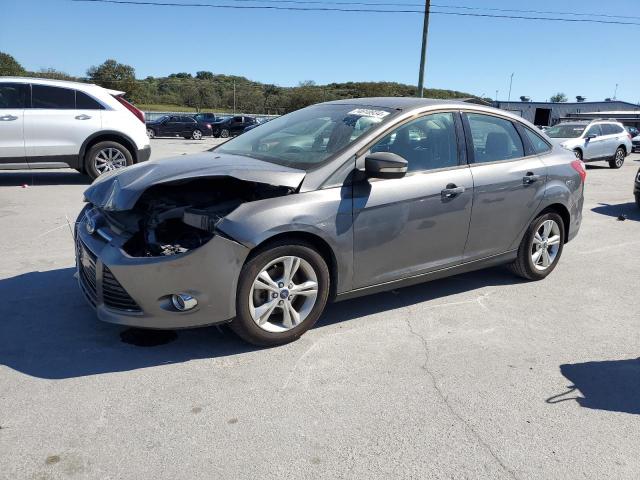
(592,141)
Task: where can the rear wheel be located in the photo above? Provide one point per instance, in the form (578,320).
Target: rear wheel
(578,153)
(282,292)
(150,133)
(224,133)
(618,159)
(106,156)
(541,248)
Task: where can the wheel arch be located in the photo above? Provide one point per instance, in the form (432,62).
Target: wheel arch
(563,211)
(107,136)
(320,244)
(624,147)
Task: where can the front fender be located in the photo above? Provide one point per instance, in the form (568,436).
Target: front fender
(326,214)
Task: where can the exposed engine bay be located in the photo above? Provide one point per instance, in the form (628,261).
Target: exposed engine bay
(173,218)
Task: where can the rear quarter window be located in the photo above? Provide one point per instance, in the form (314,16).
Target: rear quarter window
(539,145)
(85,102)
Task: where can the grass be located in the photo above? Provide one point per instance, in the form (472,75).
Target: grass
(159,107)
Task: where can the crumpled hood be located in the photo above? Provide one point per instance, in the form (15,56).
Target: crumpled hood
(121,189)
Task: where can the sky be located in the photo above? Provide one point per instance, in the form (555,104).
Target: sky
(474,55)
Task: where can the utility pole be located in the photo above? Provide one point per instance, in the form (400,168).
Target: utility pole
(423,55)
(615,93)
(510,85)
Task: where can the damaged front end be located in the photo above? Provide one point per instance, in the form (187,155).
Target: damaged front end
(149,235)
(177,217)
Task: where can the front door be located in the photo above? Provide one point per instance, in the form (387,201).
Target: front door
(595,146)
(13,100)
(508,186)
(418,223)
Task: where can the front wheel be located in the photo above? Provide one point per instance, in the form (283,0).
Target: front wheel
(578,154)
(541,248)
(196,134)
(151,133)
(282,292)
(106,156)
(224,133)
(618,159)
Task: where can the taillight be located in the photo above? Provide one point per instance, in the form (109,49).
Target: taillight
(578,166)
(209,126)
(136,111)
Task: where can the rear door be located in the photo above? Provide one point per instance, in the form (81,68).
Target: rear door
(54,129)
(173,126)
(508,180)
(14,98)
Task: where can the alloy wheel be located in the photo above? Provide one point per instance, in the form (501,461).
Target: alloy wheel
(546,244)
(150,133)
(619,157)
(283,294)
(109,159)
(224,133)
(196,135)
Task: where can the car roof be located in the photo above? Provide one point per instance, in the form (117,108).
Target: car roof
(397,103)
(59,83)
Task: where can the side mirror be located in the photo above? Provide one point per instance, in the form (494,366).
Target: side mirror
(385,165)
(590,136)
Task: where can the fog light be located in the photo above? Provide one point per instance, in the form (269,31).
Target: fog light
(183,302)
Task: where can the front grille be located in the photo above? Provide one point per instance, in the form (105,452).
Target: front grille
(87,271)
(114,295)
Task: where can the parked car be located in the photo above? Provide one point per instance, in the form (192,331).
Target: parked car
(232,126)
(207,118)
(60,124)
(593,141)
(178,126)
(633,131)
(391,192)
(635,144)
(636,188)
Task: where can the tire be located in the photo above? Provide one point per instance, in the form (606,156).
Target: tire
(276,300)
(151,133)
(524,265)
(638,200)
(618,159)
(97,159)
(196,134)
(578,153)
(224,133)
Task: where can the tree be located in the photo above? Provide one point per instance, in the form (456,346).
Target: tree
(9,65)
(558,98)
(204,75)
(116,76)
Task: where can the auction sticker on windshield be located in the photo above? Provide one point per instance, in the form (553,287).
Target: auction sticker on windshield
(366,112)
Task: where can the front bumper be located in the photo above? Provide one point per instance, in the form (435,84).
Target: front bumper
(136,291)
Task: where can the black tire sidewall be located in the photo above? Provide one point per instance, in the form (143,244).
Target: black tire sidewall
(534,273)
(612,162)
(244,325)
(89,162)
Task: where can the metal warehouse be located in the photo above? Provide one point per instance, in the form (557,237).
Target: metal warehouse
(550,113)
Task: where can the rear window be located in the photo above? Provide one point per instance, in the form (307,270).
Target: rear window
(565,131)
(537,142)
(85,102)
(43,96)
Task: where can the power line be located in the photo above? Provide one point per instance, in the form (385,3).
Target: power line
(357,10)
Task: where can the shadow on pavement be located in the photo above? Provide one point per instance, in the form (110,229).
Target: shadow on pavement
(629,210)
(48,331)
(34,178)
(609,385)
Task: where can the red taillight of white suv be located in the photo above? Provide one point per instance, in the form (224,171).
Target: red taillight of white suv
(136,111)
(578,166)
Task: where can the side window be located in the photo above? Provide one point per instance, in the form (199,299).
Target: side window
(616,129)
(174,119)
(427,143)
(494,138)
(13,95)
(237,119)
(85,102)
(539,145)
(53,97)
(187,120)
(593,130)
(607,129)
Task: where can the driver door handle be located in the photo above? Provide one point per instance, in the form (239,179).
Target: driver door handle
(83,117)
(530,178)
(8,118)
(452,191)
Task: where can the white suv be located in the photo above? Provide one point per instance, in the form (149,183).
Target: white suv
(58,124)
(591,141)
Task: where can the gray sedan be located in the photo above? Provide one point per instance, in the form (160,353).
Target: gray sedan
(375,194)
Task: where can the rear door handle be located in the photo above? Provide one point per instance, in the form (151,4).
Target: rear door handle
(83,117)
(530,178)
(8,118)
(452,191)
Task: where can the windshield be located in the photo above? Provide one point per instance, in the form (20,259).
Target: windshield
(565,131)
(306,138)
